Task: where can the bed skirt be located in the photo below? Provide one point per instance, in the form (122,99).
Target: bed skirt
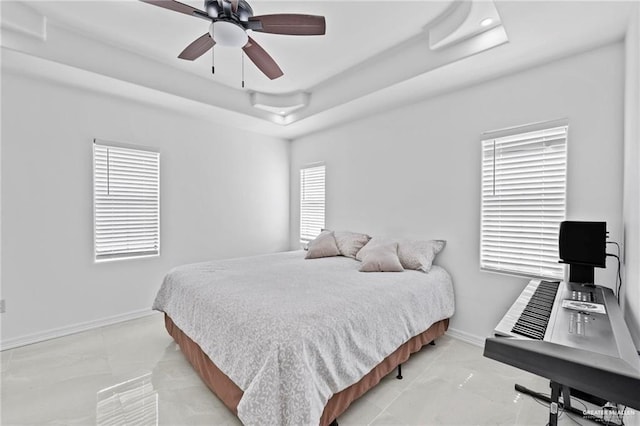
(230,394)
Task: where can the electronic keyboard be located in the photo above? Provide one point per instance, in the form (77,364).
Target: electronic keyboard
(578,348)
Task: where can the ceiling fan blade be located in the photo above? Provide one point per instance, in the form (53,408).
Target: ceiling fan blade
(289,24)
(199,47)
(176,6)
(234,6)
(262,60)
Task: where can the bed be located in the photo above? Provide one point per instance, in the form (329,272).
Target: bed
(290,341)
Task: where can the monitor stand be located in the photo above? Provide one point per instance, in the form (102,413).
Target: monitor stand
(582,274)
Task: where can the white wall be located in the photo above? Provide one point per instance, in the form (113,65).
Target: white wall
(631,211)
(416,170)
(224,193)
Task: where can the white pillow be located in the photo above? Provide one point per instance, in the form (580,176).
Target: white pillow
(374,242)
(382,258)
(414,254)
(324,245)
(350,243)
(419,255)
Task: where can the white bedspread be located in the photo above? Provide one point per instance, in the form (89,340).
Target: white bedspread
(292,332)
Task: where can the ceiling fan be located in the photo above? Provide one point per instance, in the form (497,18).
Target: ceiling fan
(230,20)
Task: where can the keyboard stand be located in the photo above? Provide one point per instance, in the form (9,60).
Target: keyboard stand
(554,401)
(556,390)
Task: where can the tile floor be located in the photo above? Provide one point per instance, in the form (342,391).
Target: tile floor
(74,379)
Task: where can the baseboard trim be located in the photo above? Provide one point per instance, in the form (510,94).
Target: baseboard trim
(466,337)
(72,329)
(90,325)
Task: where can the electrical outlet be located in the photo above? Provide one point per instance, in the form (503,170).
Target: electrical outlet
(2,306)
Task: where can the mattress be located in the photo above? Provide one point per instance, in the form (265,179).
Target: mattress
(290,333)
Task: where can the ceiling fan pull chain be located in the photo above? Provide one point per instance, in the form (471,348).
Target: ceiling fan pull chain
(242,62)
(213,59)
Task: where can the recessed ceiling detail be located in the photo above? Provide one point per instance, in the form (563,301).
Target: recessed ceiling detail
(20,20)
(128,48)
(279,104)
(464,20)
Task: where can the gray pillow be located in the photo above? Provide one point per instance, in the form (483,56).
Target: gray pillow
(419,255)
(350,243)
(373,243)
(414,254)
(382,258)
(324,245)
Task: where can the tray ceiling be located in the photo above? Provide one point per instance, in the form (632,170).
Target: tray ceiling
(373,50)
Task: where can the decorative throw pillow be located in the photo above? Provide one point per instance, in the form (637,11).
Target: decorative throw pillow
(419,255)
(373,243)
(350,243)
(414,254)
(323,246)
(382,258)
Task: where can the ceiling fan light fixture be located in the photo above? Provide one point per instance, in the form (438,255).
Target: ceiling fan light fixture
(230,21)
(228,34)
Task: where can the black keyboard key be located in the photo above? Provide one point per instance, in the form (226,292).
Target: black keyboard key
(535,317)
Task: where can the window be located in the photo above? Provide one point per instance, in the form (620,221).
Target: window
(311,202)
(126,200)
(523,202)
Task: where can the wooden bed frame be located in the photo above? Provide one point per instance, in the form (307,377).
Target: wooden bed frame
(230,393)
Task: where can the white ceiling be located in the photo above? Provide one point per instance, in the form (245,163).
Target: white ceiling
(375,54)
(356,30)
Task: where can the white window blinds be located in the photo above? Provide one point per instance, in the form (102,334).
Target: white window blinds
(311,202)
(523,202)
(126,199)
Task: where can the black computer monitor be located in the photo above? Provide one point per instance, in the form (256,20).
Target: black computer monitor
(583,246)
